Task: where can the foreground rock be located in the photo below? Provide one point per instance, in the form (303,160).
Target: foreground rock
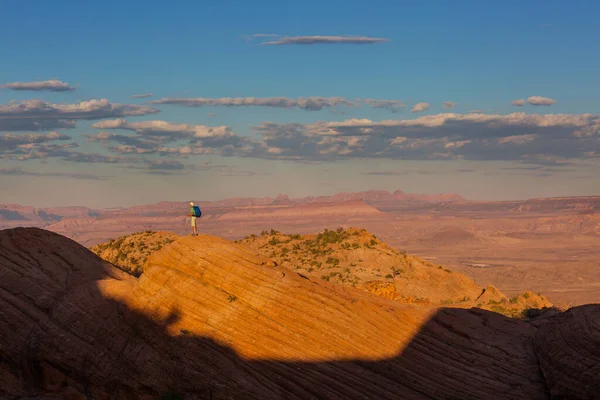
(211,319)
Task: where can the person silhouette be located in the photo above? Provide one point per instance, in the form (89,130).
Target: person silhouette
(194,214)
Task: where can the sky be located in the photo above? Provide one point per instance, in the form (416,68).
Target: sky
(108,104)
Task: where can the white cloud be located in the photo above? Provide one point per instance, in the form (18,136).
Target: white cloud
(167,129)
(420,107)
(51,85)
(449,104)
(518,139)
(540,101)
(518,103)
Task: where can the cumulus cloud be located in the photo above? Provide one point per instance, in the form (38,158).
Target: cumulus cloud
(156,136)
(31,146)
(141,96)
(420,107)
(540,101)
(518,103)
(92,109)
(449,104)
(303,103)
(518,136)
(38,115)
(17,171)
(158,128)
(308,40)
(552,139)
(51,85)
(10,142)
(34,146)
(32,151)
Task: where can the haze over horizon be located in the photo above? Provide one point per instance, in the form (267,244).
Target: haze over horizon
(117,104)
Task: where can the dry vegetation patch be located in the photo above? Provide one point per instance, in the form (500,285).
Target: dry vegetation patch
(130,252)
(355,257)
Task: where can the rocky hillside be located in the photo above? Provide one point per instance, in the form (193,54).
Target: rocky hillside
(209,318)
(130,252)
(355,257)
(350,257)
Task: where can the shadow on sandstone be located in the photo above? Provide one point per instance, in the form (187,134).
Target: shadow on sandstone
(61,338)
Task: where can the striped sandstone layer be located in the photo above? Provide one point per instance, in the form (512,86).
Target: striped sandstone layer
(212,319)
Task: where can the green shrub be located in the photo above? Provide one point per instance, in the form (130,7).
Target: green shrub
(333,261)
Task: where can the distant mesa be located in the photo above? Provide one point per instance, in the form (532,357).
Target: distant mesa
(451,236)
(583,203)
(351,208)
(11,215)
(209,318)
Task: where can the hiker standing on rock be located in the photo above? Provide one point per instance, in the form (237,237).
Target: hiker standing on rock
(194,213)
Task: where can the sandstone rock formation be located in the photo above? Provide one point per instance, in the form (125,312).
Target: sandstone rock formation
(212,319)
(354,257)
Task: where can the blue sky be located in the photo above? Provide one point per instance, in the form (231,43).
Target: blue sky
(478,55)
